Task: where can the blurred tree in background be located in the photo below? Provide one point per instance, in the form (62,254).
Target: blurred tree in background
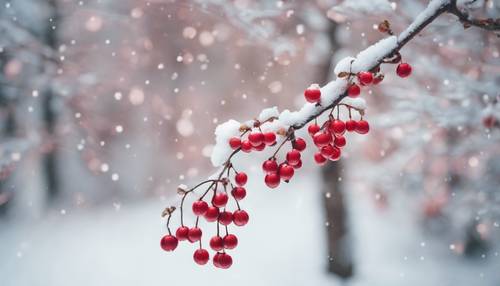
(116,101)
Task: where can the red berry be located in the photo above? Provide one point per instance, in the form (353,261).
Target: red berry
(225,261)
(216,260)
(212,214)
(230,241)
(339,141)
(246,146)
(194,234)
(256,138)
(322,139)
(272,180)
(337,126)
(216,243)
(378,79)
(350,125)
(327,151)
(403,70)
(312,94)
(241,179)
(270,166)
(300,144)
(240,217)
(235,142)
(269,138)
(313,129)
(489,121)
(220,199)
(260,147)
(320,160)
(286,172)
(335,155)
(239,193)
(225,218)
(201,256)
(182,233)
(293,157)
(298,165)
(169,242)
(199,207)
(365,78)
(353,90)
(362,127)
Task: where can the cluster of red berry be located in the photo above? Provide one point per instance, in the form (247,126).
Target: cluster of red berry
(328,138)
(216,212)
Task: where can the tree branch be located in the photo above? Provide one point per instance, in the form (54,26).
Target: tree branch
(489,24)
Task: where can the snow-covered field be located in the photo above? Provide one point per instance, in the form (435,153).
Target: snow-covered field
(283,245)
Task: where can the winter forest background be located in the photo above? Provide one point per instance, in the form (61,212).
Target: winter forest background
(106,106)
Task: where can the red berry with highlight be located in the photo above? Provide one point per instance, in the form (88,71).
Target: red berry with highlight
(194,234)
(312,94)
(225,218)
(241,179)
(272,180)
(319,159)
(235,143)
(298,165)
(256,138)
(246,146)
(365,78)
(286,172)
(220,199)
(362,127)
(201,256)
(322,139)
(293,157)
(353,90)
(337,126)
(199,207)
(403,70)
(339,141)
(300,144)
(225,261)
(216,243)
(335,155)
(212,214)
(350,125)
(270,166)
(169,242)
(327,151)
(239,193)
(230,241)
(269,138)
(240,217)
(313,129)
(260,147)
(182,233)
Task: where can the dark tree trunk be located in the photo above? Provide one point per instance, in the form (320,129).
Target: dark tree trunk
(49,114)
(339,254)
(8,131)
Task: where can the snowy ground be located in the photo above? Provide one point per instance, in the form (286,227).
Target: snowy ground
(283,245)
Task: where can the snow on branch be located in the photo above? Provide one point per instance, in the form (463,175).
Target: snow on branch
(333,92)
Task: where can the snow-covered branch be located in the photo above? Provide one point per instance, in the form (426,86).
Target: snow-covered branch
(272,129)
(489,24)
(335,91)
